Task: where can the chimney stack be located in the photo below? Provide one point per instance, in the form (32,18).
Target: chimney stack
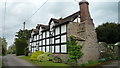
(84,10)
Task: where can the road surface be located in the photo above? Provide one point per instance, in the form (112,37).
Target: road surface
(12,61)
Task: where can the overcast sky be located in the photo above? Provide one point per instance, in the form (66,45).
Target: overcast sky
(17,11)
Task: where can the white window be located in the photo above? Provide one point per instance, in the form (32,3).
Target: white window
(52,49)
(57,41)
(44,42)
(39,48)
(63,38)
(37,37)
(43,34)
(47,48)
(30,44)
(63,28)
(63,48)
(32,49)
(43,49)
(47,41)
(47,34)
(52,40)
(57,49)
(40,43)
(57,31)
(51,26)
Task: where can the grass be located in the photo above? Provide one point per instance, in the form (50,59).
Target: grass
(44,64)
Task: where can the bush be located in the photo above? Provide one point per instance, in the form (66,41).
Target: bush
(89,63)
(57,59)
(45,57)
(35,55)
(72,62)
(92,61)
(21,44)
(26,51)
(102,60)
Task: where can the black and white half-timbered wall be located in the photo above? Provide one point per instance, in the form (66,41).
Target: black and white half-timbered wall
(54,36)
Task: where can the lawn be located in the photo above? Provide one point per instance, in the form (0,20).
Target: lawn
(47,63)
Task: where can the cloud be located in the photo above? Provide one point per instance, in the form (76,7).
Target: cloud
(20,10)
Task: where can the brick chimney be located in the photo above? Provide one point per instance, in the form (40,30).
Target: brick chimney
(84,10)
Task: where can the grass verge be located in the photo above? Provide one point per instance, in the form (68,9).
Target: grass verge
(45,64)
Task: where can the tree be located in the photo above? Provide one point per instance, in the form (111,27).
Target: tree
(74,50)
(108,32)
(21,42)
(3,46)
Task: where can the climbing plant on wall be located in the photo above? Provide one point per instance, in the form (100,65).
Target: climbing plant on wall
(74,50)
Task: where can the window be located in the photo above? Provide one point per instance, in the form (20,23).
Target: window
(40,43)
(57,31)
(57,49)
(39,48)
(44,42)
(63,28)
(40,36)
(52,49)
(43,34)
(57,41)
(43,49)
(63,38)
(47,41)
(63,48)
(47,48)
(47,34)
(52,40)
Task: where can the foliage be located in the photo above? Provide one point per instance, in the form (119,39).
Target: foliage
(21,41)
(35,55)
(90,63)
(3,46)
(108,32)
(20,45)
(57,59)
(11,49)
(26,51)
(74,50)
(45,57)
(45,64)
(108,50)
(23,34)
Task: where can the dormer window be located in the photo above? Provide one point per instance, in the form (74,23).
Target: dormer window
(51,27)
(40,30)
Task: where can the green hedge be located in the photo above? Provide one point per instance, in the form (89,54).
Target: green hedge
(35,55)
(45,57)
(21,44)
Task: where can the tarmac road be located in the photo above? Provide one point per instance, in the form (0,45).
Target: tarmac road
(12,61)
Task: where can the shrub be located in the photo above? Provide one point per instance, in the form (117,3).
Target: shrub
(26,51)
(89,63)
(45,57)
(35,55)
(102,60)
(92,61)
(72,62)
(57,59)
